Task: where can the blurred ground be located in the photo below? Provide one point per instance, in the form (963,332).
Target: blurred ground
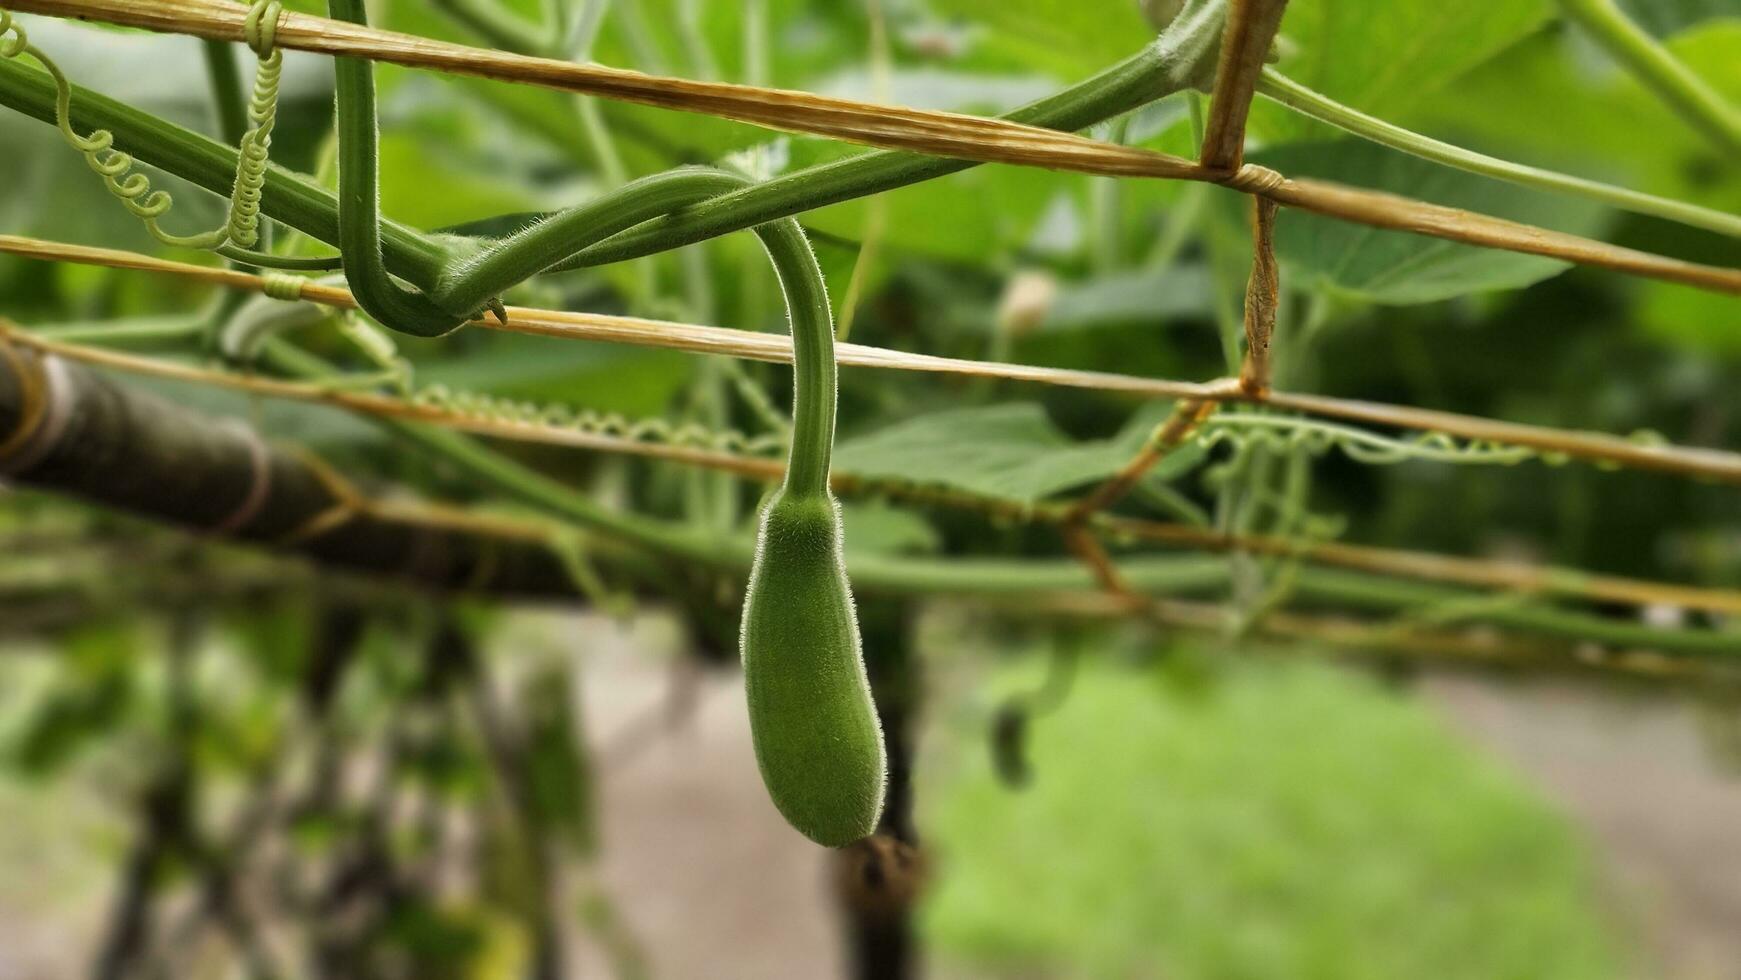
(711,884)
(1637,777)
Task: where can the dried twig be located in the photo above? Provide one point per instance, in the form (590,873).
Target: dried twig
(1262,293)
(1187,415)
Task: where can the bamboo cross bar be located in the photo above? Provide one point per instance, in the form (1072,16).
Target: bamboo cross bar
(930,132)
(71,430)
(1488,574)
(1711,464)
(943,134)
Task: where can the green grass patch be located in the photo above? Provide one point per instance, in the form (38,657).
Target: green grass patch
(1291,821)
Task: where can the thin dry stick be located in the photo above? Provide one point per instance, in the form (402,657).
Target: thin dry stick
(1419,565)
(1187,415)
(1383,210)
(1245,43)
(773,348)
(920,131)
(1338,636)
(383,406)
(1429,567)
(1485,646)
(1713,464)
(1262,294)
(931,132)
(1091,553)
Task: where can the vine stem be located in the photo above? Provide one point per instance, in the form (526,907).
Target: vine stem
(1316,105)
(1690,96)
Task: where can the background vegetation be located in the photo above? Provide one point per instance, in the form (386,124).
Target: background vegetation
(428,766)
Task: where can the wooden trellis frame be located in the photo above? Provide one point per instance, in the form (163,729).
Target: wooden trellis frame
(1250,28)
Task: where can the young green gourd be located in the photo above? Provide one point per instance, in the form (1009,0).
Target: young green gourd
(817,740)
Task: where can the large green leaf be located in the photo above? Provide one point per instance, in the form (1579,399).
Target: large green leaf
(1384,58)
(1665,18)
(1143,296)
(1010,451)
(1561,108)
(1398,267)
(635,381)
(1067,38)
(971,216)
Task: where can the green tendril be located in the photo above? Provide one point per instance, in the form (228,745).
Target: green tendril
(134,191)
(1286,434)
(478,405)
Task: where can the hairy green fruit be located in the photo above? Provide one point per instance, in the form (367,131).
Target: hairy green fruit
(817,740)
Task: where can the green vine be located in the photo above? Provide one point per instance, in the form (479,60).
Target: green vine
(1324,109)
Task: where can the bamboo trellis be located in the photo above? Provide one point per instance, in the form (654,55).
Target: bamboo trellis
(1084,524)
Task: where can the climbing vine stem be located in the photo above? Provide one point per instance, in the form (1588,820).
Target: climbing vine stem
(1292,94)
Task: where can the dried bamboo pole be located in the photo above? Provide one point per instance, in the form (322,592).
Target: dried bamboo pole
(932,133)
(65,427)
(1713,464)
(1424,566)
(126,466)
(1341,636)
(1546,581)
(724,341)
(1245,43)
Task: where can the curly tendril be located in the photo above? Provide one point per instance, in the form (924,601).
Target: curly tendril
(1285,434)
(590,422)
(133,189)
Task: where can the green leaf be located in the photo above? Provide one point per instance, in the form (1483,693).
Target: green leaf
(1397,267)
(1067,38)
(1010,451)
(1563,109)
(1384,58)
(1665,18)
(1699,321)
(604,377)
(882,529)
(968,216)
(1141,297)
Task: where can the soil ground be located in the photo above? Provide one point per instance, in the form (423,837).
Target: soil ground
(710,883)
